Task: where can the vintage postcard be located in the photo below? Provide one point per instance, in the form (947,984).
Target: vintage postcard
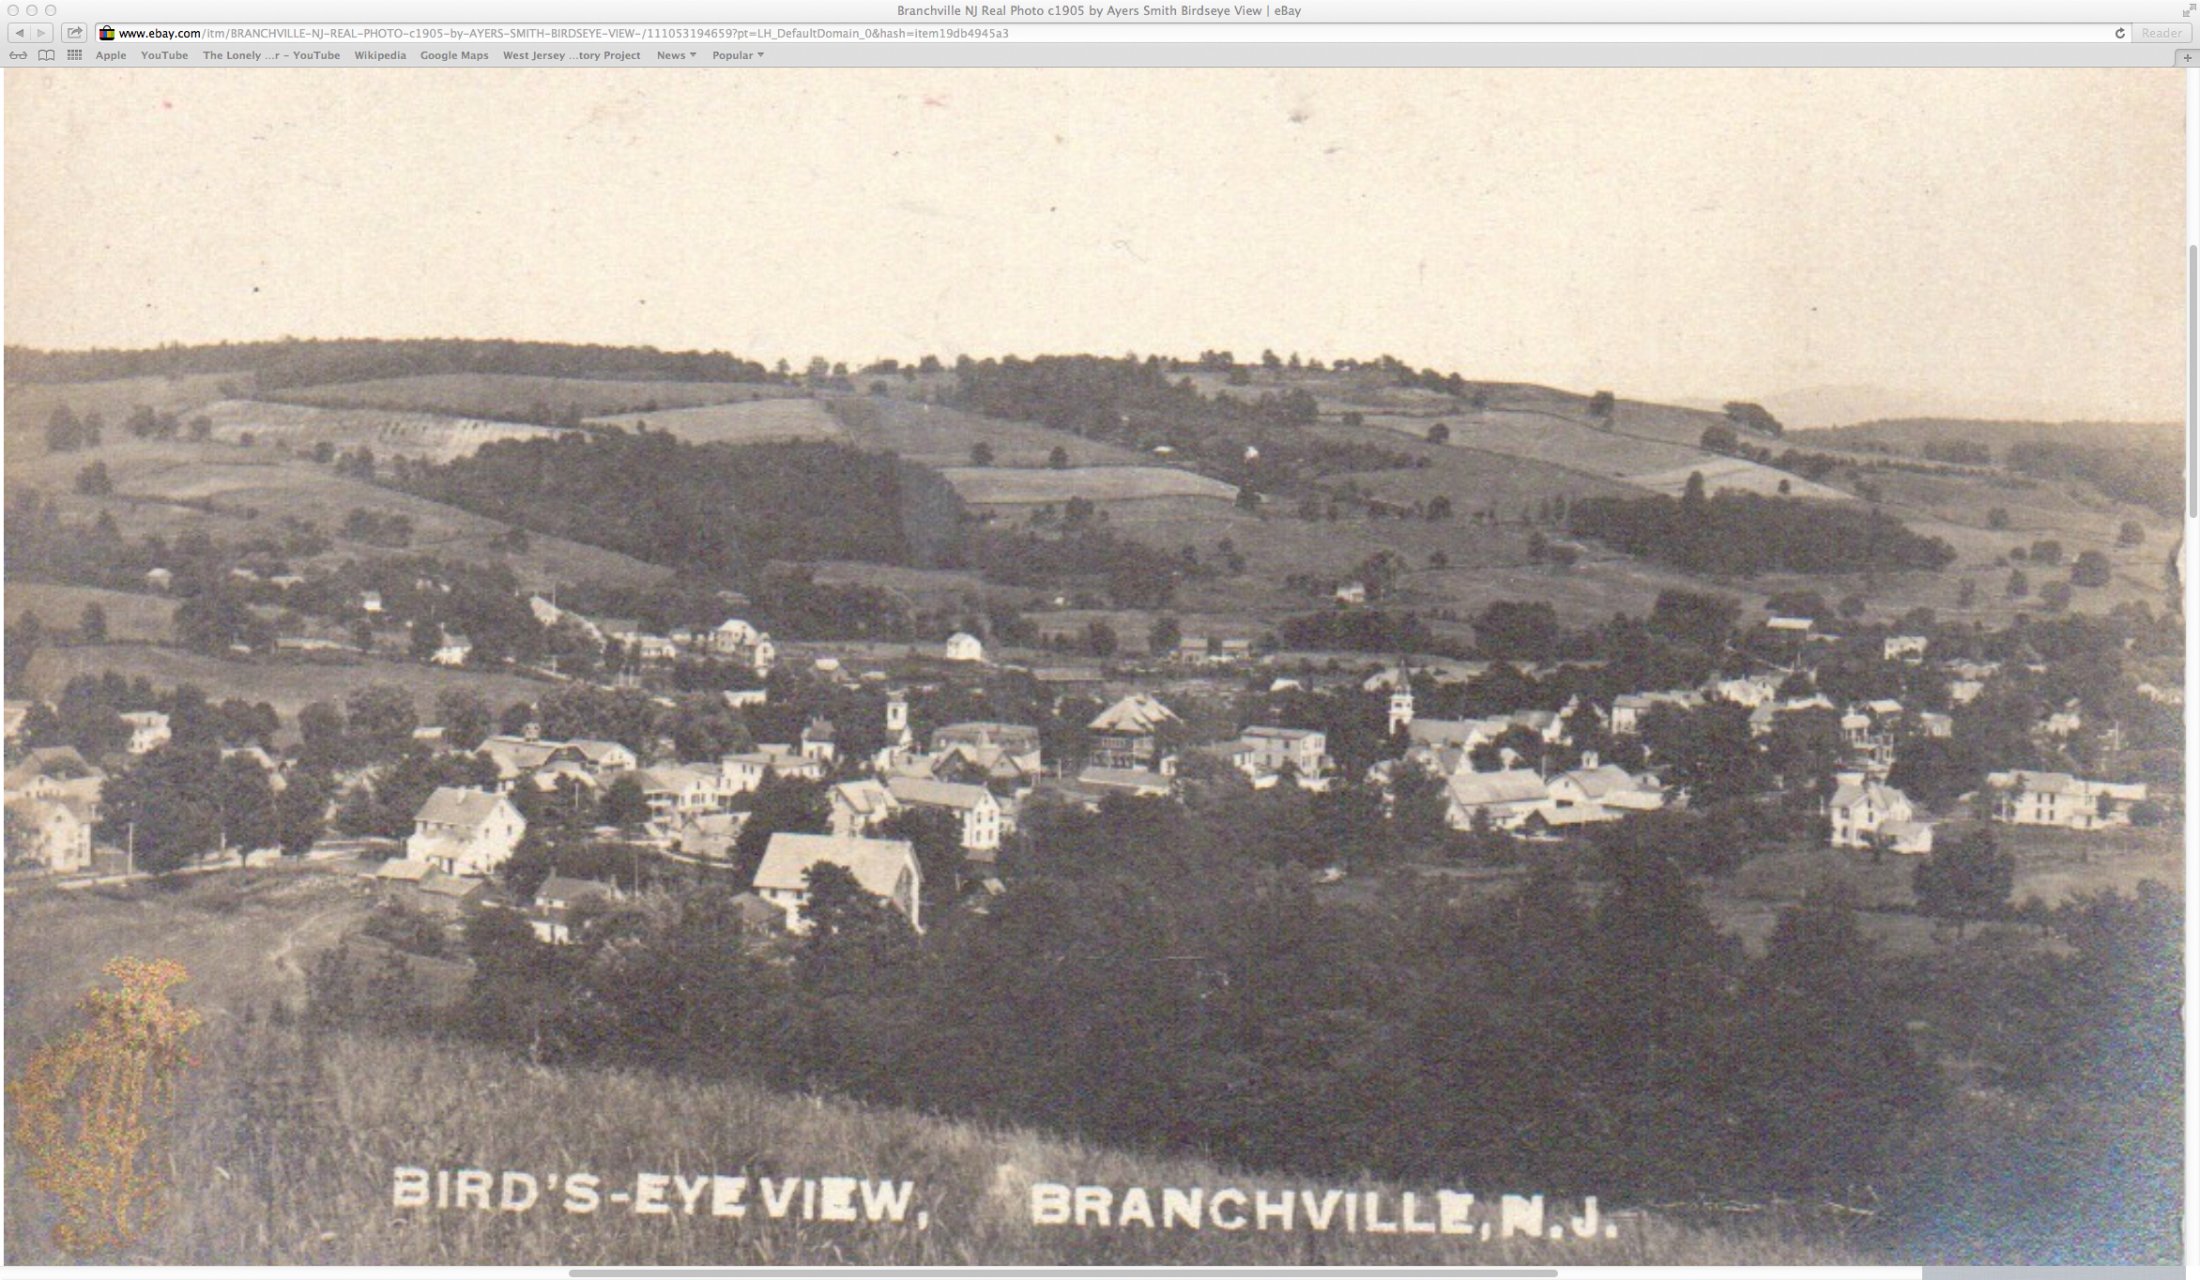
(1035,667)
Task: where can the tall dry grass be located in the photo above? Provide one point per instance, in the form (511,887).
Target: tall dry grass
(287,1139)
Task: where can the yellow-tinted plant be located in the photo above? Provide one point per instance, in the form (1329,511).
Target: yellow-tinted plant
(89,1110)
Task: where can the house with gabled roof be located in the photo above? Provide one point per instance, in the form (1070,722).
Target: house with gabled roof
(56,832)
(1508,796)
(975,808)
(859,807)
(1127,735)
(887,869)
(1863,813)
(465,831)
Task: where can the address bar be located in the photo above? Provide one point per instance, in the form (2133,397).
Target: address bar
(1182,31)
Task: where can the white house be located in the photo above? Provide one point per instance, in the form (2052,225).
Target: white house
(974,807)
(148,730)
(462,831)
(964,647)
(1861,810)
(884,868)
(58,831)
(2040,799)
(677,792)
(817,740)
(1267,749)
(746,770)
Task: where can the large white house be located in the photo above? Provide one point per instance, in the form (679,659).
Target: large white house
(56,830)
(884,868)
(462,831)
(974,807)
(2061,800)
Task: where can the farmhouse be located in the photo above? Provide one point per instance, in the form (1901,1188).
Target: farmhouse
(463,831)
(964,647)
(1862,812)
(2061,800)
(817,740)
(974,807)
(884,868)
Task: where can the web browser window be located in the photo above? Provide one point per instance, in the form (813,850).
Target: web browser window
(1536,640)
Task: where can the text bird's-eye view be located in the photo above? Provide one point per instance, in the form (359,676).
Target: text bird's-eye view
(893,668)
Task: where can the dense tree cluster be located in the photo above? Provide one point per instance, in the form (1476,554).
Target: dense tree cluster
(715,510)
(1743,534)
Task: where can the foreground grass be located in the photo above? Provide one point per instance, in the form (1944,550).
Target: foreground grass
(284,1150)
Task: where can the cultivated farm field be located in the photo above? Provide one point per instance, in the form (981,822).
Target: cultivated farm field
(130,616)
(284,682)
(750,422)
(389,433)
(1026,486)
(166,487)
(30,404)
(944,437)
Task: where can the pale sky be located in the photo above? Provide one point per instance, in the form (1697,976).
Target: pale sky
(1978,242)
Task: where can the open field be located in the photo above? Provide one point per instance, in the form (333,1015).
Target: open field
(943,437)
(130,617)
(1025,486)
(2052,865)
(245,937)
(390,433)
(30,404)
(1908,436)
(1738,475)
(750,422)
(284,682)
(509,395)
(251,489)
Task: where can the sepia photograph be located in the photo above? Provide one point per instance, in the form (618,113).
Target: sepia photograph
(953,667)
